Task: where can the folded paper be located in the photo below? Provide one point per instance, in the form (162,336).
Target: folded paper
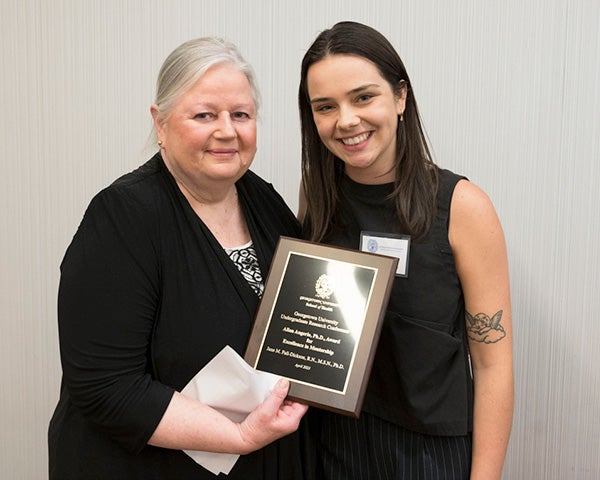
(229,385)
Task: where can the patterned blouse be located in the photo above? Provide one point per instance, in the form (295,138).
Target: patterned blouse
(245,259)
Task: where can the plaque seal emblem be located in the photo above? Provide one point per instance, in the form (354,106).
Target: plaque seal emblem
(324,287)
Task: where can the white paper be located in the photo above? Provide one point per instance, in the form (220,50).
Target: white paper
(228,384)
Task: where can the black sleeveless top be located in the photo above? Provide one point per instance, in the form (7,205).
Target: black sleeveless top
(421,378)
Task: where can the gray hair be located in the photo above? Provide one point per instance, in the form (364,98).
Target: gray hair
(189,61)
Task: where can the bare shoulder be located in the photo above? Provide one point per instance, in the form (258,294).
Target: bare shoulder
(471,213)
(470,200)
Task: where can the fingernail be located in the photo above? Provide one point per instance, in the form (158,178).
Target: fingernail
(283,383)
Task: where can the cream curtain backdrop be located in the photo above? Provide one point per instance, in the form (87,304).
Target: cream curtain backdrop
(509,95)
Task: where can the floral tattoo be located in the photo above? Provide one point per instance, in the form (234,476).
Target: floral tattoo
(484,329)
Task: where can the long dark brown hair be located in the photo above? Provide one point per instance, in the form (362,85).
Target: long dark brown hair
(416,176)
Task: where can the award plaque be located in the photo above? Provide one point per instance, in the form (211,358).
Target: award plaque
(319,321)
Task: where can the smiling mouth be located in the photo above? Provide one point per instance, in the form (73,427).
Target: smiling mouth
(355,140)
(222,152)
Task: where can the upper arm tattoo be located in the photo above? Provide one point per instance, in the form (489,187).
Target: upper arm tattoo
(484,329)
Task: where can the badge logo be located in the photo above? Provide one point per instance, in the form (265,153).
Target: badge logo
(372,245)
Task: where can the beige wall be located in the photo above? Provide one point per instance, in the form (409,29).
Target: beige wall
(509,94)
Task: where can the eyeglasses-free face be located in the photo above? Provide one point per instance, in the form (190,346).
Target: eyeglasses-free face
(210,133)
(356,114)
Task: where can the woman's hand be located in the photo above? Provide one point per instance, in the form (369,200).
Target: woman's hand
(276,417)
(192,425)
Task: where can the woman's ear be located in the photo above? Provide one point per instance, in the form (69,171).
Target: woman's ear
(400,94)
(157,120)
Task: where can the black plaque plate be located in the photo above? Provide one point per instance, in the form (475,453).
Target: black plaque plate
(319,320)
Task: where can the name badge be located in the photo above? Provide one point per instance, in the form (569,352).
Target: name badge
(392,245)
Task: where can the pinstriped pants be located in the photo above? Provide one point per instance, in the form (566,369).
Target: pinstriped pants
(373,449)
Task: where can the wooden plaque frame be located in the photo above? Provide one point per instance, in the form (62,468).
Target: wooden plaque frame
(319,321)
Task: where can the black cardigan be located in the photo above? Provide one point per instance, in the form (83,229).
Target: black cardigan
(147,297)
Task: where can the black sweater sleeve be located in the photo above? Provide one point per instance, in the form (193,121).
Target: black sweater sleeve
(108,299)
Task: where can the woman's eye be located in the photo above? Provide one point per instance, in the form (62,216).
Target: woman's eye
(241,115)
(322,108)
(365,98)
(204,116)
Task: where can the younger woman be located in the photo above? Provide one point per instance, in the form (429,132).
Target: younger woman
(440,396)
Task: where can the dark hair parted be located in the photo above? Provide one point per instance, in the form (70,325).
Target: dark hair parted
(416,176)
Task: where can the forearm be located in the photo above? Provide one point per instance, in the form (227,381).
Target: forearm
(493,410)
(191,425)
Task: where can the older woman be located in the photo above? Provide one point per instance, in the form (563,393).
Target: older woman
(167,268)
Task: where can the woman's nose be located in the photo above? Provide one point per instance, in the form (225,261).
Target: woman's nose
(348,118)
(225,126)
